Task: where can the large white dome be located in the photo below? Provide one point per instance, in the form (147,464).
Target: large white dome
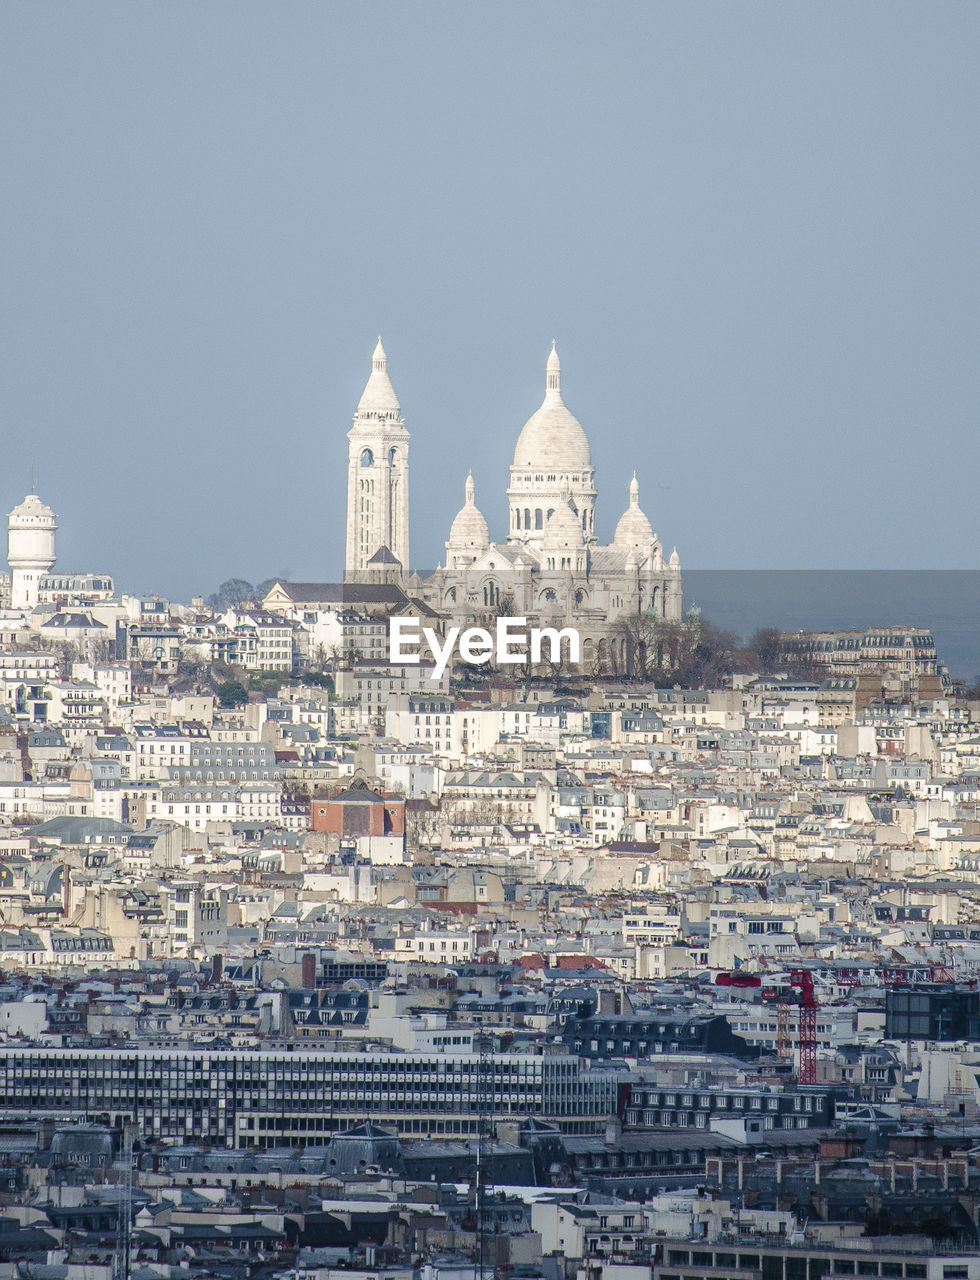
(553,438)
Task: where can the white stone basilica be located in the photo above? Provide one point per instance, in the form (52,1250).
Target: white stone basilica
(549,567)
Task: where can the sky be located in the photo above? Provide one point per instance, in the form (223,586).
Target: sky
(751,227)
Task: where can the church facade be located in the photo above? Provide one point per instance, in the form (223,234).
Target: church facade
(548,567)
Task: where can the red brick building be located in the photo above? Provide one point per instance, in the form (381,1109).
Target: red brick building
(359,811)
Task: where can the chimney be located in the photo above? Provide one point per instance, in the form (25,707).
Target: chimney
(608,1002)
(309,970)
(215,969)
(509,1131)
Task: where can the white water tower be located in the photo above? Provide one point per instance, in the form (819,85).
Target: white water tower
(30,549)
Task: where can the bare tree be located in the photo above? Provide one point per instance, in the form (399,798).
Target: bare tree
(230,593)
(193,668)
(67,654)
(502,607)
(640,634)
(101,649)
(767,647)
(423,823)
(321,656)
(350,654)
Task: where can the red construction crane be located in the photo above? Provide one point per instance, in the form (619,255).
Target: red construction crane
(802,979)
(741,980)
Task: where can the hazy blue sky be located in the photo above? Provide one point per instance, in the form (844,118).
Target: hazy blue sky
(752,227)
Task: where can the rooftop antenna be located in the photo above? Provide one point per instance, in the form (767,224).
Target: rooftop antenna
(33,475)
(484,1150)
(122,1256)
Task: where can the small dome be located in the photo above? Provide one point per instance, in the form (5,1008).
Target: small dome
(553,437)
(33,509)
(469,529)
(634,529)
(378,395)
(675,560)
(565,527)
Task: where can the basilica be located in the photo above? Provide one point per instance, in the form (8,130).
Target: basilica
(549,566)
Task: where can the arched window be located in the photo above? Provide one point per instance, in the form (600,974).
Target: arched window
(517,517)
(367,458)
(391,457)
(551,512)
(538,518)
(527,517)
(585,518)
(579,597)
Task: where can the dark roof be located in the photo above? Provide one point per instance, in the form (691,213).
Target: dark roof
(74,620)
(344,592)
(384,555)
(80,830)
(359,791)
(367,1129)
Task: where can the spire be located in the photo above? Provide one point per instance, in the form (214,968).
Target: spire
(379,396)
(470,490)
(553,373)
(634,491)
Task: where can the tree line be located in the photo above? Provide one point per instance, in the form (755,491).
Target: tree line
(236,591)
(693,652)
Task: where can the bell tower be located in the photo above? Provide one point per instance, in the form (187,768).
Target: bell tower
(377,481)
